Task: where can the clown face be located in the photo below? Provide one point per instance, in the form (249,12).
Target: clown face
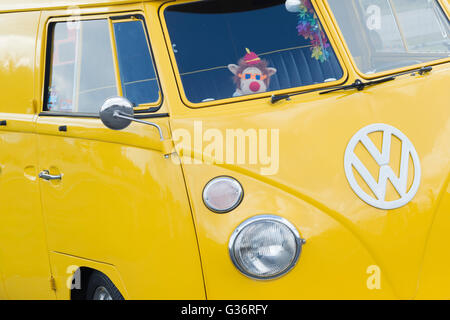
(251,80)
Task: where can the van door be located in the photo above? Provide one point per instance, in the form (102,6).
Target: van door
(113,196)
(24,260)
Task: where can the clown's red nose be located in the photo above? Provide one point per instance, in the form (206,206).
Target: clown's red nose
(255,86)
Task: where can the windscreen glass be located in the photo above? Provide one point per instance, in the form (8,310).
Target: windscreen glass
(227,49)
(384,35)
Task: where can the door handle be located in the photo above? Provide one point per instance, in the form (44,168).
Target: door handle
(47,176)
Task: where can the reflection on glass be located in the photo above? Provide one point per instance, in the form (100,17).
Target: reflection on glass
(82,69)
(389,34)
(431,34)
(61,85)
(383,29)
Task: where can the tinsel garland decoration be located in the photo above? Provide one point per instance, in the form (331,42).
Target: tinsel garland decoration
(309,27)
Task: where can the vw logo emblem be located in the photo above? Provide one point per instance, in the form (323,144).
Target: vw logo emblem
(386,173)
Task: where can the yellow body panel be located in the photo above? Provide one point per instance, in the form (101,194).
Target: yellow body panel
(64,267)
(124,209)
(23,255)
(134,203)
(344,235)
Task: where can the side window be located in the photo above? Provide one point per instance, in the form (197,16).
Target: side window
(81,73)
(137,73)
(81,68)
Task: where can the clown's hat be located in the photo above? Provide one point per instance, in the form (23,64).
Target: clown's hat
(251,58)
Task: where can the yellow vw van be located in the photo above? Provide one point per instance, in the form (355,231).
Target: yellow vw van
(223,149)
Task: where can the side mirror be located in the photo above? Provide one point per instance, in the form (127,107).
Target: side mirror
(114,107)
(117,113)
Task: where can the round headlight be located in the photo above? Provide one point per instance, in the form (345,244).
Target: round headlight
(222,194)
(265,247)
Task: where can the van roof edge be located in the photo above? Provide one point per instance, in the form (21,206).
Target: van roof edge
(34,5)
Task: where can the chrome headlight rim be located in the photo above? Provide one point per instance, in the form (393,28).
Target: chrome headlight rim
(265,217)
(216,179)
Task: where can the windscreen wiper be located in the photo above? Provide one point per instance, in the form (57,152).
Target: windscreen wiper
(358,84)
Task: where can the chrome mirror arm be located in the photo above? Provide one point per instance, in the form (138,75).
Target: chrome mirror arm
(118,114)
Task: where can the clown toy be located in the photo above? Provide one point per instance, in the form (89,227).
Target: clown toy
(251,75)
